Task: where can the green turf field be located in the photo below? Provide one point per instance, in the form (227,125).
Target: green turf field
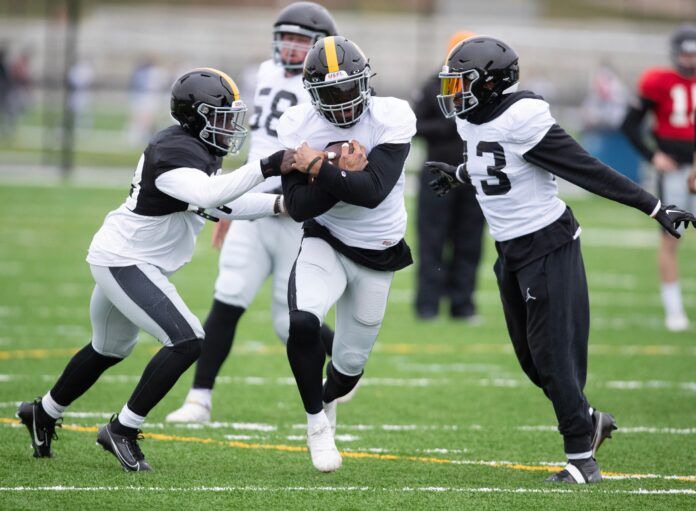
(445,418)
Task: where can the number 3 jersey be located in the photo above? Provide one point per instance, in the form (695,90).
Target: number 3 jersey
(275,93)
(516,196)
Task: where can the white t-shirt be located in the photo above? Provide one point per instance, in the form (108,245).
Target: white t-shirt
(387,121)
(516,197)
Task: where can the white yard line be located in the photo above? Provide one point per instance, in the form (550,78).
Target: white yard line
(344,489)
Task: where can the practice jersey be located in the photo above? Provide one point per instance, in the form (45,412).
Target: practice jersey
(275,93)
(150,226)
(674,100)
(387,121)
(516,197)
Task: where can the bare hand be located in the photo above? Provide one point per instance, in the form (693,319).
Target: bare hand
(288,159)
(664,163)
(353,157)
(219,232)
(304,156)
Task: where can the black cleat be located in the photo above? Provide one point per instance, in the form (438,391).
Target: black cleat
(578,472)
(602,424)
(41,432)
(126,449)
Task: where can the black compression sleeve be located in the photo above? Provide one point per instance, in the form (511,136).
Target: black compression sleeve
(371,186)
(561,155)
(632,127)
(303,200)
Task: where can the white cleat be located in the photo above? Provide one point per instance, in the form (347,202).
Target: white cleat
(350,395)
(191,411)
(322,448)
(330,411)
(677,322)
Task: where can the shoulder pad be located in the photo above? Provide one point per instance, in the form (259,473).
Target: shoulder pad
(291,122)
(396,119)
(529,119)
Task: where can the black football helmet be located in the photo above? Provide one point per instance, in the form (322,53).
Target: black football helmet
(683,41)
(337,76)
(300,18)
(206,103)
(477,70)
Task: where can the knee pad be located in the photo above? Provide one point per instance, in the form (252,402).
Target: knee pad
(351,362)
(191,348)
(304,327)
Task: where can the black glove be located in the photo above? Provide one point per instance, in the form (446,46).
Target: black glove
(271,165)
(448,177)
(671,218)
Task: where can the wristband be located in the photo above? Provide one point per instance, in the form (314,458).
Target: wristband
(312,164)
(657,209)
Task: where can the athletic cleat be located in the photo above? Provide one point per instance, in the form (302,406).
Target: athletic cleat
(190,411)
(602,424)
(677,322)
(322,449)
(41,433)
(330,411)
(578,472)
(126,449)
(350,395)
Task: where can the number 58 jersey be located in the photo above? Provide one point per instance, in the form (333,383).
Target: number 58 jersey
(275,93)
(516,197)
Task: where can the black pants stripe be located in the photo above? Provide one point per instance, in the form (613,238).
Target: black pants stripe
(547,312)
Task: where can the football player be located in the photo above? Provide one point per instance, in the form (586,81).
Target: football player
(252,251)
(513,151)
(670,95)
(354,225)
(145,241)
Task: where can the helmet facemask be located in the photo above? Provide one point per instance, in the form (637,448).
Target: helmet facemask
(456,92)
(342,99)
(282,48)
(224,126)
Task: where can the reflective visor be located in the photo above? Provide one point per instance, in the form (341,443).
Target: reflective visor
(450,83)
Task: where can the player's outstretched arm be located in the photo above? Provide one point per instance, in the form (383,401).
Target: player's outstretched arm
(249,206)
(560,154)
(446,176)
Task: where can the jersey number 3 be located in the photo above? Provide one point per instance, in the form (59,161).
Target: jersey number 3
(288,98)
(501,185)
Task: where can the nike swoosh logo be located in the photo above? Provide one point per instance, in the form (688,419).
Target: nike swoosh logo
(36,437)
(668,211)
(118,453)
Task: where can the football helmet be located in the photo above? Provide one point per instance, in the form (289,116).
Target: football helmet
(303,19)
(477,70)
(206,103)
(683,50)
(337,76)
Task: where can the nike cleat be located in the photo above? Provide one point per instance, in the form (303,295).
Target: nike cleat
(41,433)
(578,472)
(602,424)
(126,449)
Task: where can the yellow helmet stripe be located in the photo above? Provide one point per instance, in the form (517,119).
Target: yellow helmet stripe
(226,77)
(331,57)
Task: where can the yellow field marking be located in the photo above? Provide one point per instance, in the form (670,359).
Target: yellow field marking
(359,455)
(36,353)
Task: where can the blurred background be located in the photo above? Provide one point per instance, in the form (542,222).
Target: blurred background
(84,83)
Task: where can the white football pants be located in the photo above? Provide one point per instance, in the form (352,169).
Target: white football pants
(323,277)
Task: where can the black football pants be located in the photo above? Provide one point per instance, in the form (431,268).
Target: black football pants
(547,312)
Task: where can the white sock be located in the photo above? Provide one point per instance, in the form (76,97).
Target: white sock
(672,298)
(316,420)
(579,455)
(53,409)
(130,419)
(201,396)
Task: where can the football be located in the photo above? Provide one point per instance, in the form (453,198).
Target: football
(334,151)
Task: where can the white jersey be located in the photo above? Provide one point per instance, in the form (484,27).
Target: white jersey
(275,93)
(516,197)
(387,121)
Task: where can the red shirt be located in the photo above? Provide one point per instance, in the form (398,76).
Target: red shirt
(674,98)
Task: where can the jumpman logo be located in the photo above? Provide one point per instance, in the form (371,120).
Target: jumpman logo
(529,296)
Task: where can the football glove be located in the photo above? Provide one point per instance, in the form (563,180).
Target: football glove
(448,177)
(672,217)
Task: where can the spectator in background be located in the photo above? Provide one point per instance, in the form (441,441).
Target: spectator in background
(80,81)
(602,113)
(668,93)
(5,86)
(20,82)
(148,88)
(449,234)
